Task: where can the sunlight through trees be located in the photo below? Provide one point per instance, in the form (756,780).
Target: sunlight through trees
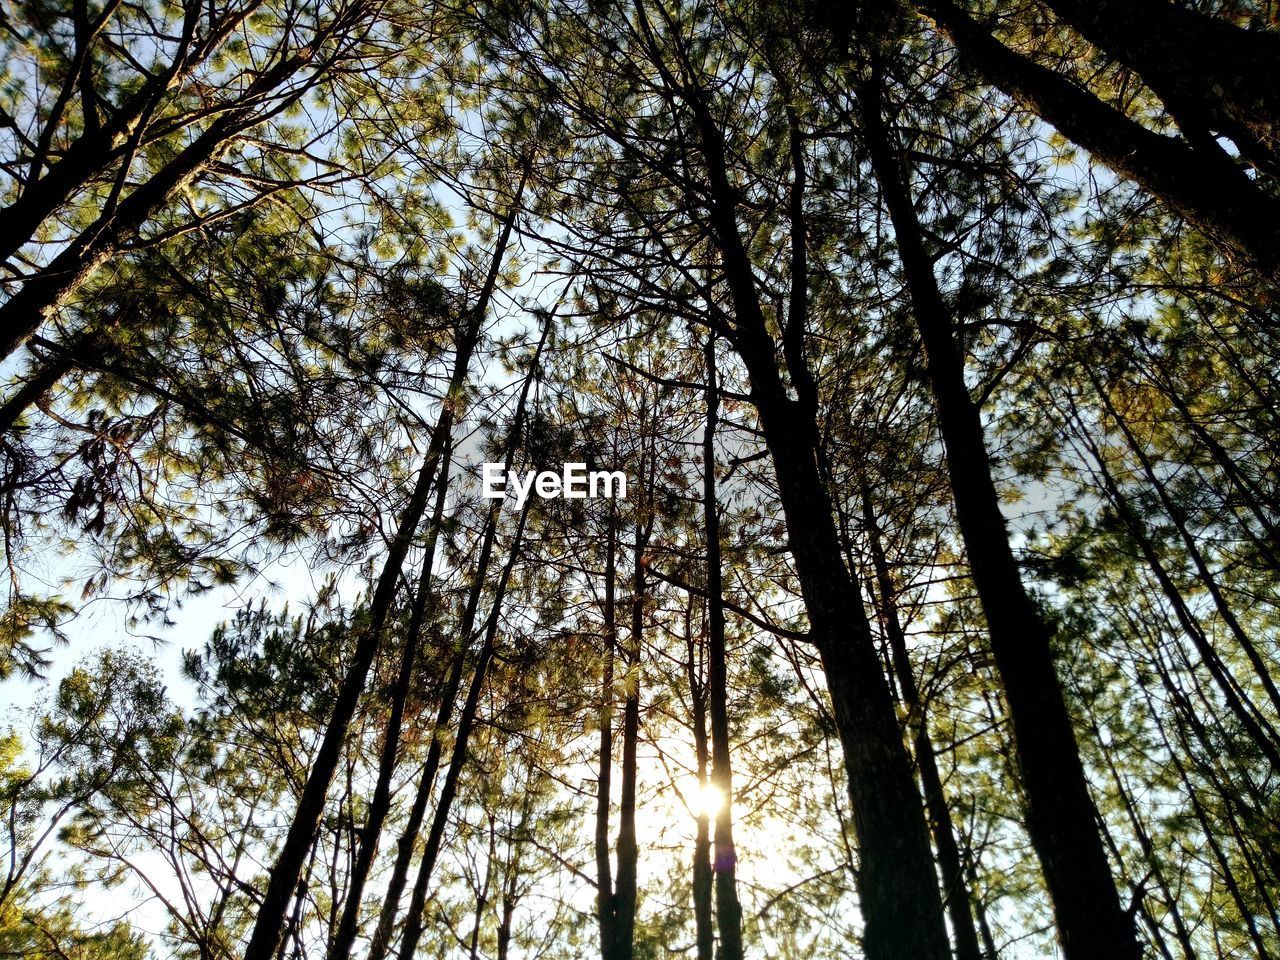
(640,480)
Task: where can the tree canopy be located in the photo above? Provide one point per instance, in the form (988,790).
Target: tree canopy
(936,343)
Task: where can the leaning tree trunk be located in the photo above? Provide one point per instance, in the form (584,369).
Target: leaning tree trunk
(415,913)
(302,831)
(1061,817)
(1205,187)
(1212,75)
(380,804)
(46,291)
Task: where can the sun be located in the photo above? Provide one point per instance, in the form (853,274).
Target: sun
(706,800)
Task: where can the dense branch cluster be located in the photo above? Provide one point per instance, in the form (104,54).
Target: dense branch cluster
(937,343)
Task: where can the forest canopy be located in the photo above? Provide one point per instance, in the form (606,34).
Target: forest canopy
(930,609)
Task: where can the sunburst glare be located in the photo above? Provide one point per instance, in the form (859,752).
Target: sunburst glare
(706,800)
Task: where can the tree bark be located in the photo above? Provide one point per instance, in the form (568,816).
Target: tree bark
(380,804)
(897,883)
(408,838)
(1208,189)
(1251,719)
(1061,817)
(728,909)
(1175,514)
(302,831)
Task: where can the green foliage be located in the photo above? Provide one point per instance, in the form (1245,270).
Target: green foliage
(242,385)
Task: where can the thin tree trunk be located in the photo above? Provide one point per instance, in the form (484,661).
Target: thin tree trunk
(1153,863)
(417,900)
(1255,500)
(426,780)
(956,894)
(302,830)
(1245,910)
(482,901)
(380,804)
(511,878)
(625,891)
(381,941)
(728,909)
(980,911)
(1175,515)
(1255,724)
(604,781)
(508,906)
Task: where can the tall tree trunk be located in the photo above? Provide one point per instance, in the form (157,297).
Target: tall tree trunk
(1151,856)
(482,899)
(1176,516)
(509,898)
(1061,817)
(1245,910)
(702,881)
(990,952)
(897,883)
(604,777)
(381,941)
(407,841)
(956,894)
(728,909)
(302,831)
(511,875)
(416,911)
(625,891)
(1261,506)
